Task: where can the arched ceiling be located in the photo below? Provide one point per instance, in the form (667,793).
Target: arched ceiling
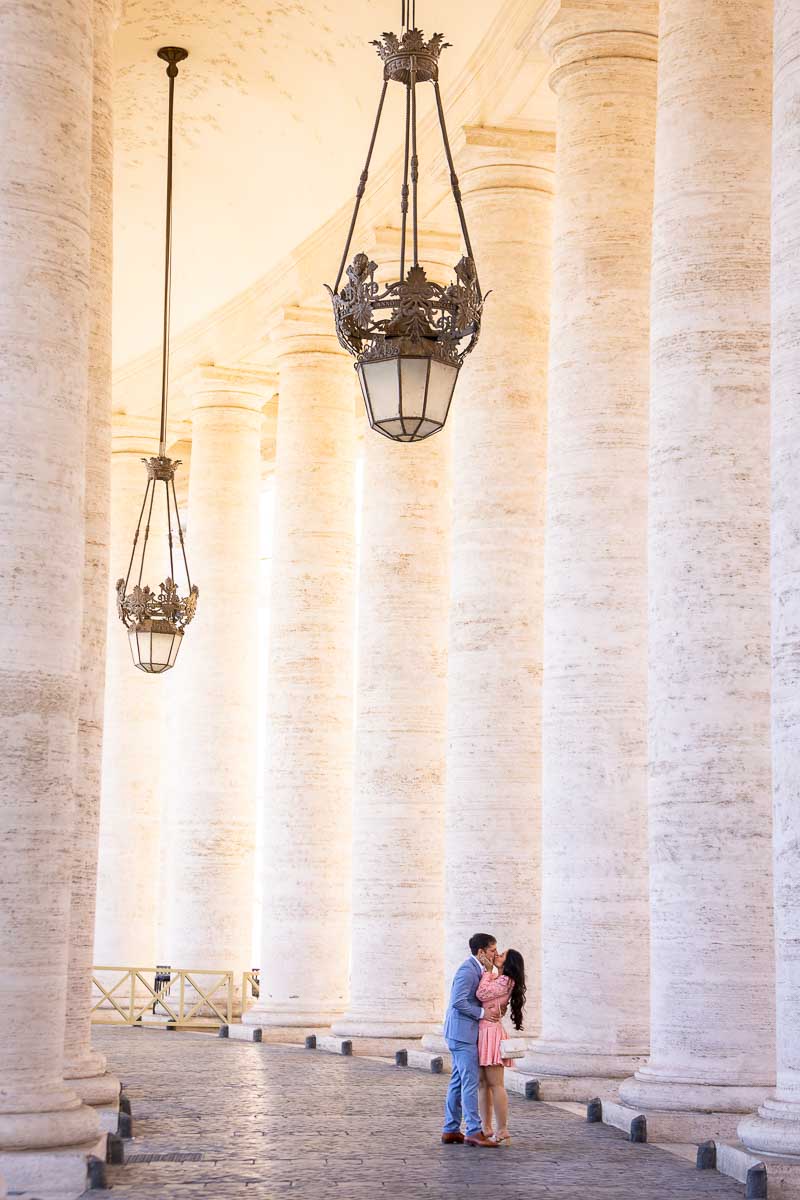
(274,109)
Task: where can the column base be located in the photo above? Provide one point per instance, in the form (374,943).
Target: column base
(774,1129)
(435,1042)
(61,1172)
(287,1017)
(690,1111)
(354,1026)
(574,1062)
(39,1125)
(91,1082)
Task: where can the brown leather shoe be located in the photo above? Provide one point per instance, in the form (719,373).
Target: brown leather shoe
(479,1139)
(451,1139)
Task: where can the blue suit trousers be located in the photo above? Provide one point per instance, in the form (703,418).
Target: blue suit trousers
(463,1089)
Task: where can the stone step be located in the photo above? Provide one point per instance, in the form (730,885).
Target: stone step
(421,1060)
(331,1045)
(522,1085)
(242,1033)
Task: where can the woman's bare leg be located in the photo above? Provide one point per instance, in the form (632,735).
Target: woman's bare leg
(485,1102)
(495,1079)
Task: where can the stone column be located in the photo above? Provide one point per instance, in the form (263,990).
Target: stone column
(401,701)
(594,743)
(710,847)
(776,1129)
(210,813)
(45,169)
(307,821)
(499,429)
(128,868)
(85,1068)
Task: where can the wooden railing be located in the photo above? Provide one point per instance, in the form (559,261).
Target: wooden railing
(124,995)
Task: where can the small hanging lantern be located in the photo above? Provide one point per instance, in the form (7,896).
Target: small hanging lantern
(155,621)
(410,337)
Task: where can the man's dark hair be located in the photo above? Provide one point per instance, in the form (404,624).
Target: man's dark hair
(481,941)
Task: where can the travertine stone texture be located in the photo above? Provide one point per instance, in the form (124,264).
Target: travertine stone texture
(710,805)
(401,699)
(499,431)
(210,817)
(776,1130)
(594,741)
(84,1067)
(130,816)
(45,168)
(309,766)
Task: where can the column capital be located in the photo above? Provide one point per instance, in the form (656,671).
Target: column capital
(216,385)
(296,329)
(576,33)
(439,251)
(507,157)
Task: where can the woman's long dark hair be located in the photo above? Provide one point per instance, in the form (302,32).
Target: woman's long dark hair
(514,968)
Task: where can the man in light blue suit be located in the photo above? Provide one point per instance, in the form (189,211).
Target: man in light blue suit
(461,1034)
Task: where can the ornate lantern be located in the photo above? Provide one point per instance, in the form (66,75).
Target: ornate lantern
(410,337)
(155,621)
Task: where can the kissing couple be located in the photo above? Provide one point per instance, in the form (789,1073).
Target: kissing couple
(484,987)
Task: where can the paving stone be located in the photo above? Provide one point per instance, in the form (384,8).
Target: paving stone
(268,1122)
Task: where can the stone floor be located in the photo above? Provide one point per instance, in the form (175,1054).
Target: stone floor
(222,1119)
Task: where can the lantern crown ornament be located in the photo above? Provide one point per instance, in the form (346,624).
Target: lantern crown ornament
(155,620)
(409,337)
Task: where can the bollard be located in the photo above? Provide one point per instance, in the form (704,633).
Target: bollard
(125,1127)
(223,1031)
(594,1111)
(531,1089)
(756,1185)
(401,1058)
(311,1042)
(707,1156)
(639,1129)
(96,1171)
(115,1150)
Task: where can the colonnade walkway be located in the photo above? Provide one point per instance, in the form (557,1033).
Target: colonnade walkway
(222,1119)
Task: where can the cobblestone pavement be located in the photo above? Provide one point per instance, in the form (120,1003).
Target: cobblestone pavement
(257,1121)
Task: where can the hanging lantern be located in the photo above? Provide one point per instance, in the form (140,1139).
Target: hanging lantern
(410,337)
(155,620)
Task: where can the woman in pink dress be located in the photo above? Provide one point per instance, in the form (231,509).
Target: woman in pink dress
(507,987)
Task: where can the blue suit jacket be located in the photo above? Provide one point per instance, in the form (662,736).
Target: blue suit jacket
(464,1011)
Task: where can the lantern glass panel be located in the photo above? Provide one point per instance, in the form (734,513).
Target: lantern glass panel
(381,386)
(440,391)
(413,387)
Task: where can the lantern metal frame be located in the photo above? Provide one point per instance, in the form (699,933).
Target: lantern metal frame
(412,317)
(150,617)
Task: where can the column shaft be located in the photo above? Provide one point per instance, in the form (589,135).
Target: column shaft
(710,875)
(130,817)
(398,842)
(46,115)
(211,813)
(308,801)
(499,431)
(83,1066)
(594,831)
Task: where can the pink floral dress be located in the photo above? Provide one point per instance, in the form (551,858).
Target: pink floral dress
(492,988)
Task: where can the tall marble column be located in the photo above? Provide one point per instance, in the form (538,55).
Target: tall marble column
(594,736)
(84,1067)
(401,703)
(210,815)
(776,1129)
(499,430)
(45,186)
(130,822)
(710,809)
(309,767)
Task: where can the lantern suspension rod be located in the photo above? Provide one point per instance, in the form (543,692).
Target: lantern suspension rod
(362,185)
(414,163)
(454,184)
(404,189)
(147,526)
(180,532)
(136,535)
(172,55)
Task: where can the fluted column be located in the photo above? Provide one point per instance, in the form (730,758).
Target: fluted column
(84,1067)
(594,746)
(45,187)
(211,810)
(130,813)
(710,807)
(401,701)
(776,1129)
(499,430)
(308,789)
